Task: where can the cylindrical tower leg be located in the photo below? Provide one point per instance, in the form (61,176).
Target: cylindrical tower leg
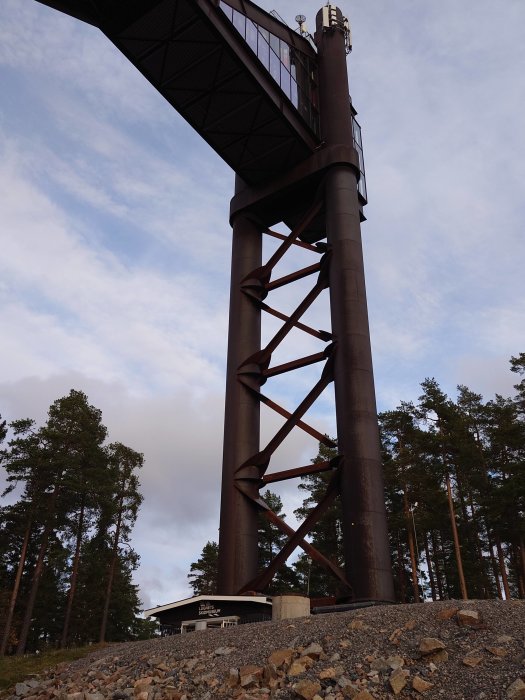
(367,558)
(238,523)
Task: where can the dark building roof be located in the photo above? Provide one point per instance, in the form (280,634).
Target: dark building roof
(212,607)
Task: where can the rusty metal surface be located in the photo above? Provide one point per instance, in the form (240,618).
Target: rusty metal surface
(296,539)
(294,473)
(262,358)
(293,276)
(238,523)
(262,458)
(320,335)
(191,52)
(358,480)
(297,364)
(301,244)
(365,538)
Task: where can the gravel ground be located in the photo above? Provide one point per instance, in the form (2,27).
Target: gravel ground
(367,653)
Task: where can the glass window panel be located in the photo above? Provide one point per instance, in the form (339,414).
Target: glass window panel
(285,81)
(263,52)
(251,35)
(228,11)
(285,54)
(360,157)
(294,94)
(274,43)
(357,132)
(265,33)
(239,22)
(275,67)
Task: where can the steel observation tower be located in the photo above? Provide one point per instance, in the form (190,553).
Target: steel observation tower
(274,104)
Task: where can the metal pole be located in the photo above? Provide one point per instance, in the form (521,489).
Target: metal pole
(238,546)
(366,550)
(412,509)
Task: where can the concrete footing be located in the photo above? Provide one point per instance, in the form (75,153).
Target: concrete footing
(288,606)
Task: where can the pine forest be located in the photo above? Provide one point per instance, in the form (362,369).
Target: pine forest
(454,473)
(65,561)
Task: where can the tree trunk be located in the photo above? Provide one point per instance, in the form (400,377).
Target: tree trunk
(74,575)
(435,552)
(401,571)
(522,558)
(411,547)
(494,564)
(16,587)
(457,549)
(429,566)
(476,525)
(111,574)
(503,568)
(35,582)
(519,567)
(514,556)
(446,574)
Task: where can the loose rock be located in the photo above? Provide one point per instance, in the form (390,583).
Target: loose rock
(395,662)
(421,685)
(429,645)
(398,680)
(250,675)
(307,689)
(281,657)
(223,651)
(472,660)
(516,691)
(300,665)
(447,613)
(497,651)
(468,618)
(335,660)
(357,625)
(314,651)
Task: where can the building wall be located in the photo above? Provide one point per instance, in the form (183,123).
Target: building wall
(204,609)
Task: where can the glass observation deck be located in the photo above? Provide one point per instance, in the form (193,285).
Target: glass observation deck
(358,145)
(296,75)
(293,71)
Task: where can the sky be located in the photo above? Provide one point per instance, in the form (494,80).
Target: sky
(115,242)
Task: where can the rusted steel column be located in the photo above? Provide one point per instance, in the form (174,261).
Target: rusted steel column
(238,523)
(367,558)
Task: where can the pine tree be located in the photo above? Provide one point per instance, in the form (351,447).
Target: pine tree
(517,365)
(71,439)
(73,518)
(440,415)
(85,479)
(123,462)
(203,572)
(326,534)
(25,464)
(271,541)
(404,463)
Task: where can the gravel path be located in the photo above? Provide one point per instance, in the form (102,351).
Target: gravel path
(431,650)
